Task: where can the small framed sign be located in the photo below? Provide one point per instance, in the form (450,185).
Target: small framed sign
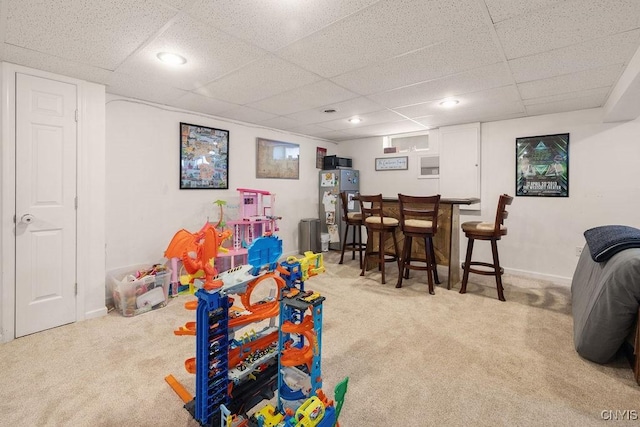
(392,163)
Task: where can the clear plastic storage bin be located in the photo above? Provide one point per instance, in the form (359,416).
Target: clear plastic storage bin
(141,295)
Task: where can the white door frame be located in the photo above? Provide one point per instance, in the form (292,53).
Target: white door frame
(90,258)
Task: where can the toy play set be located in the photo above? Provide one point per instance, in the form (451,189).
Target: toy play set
(258,331)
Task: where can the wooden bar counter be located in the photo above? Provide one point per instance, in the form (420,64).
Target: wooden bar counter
(446,241)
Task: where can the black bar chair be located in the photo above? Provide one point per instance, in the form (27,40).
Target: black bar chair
(419,219)
(376,223)
(354,220)
(477,230)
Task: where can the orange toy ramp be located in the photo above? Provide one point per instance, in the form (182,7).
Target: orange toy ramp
(304,355)
(269,310)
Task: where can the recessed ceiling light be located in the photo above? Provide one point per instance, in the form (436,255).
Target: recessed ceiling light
(449,103)
(171,58)
(355,120)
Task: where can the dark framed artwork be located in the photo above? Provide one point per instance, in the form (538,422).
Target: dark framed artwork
(542,165)
(320,155)
(277,159)
(204,157)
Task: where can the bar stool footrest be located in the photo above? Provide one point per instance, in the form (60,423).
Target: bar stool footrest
(490,272)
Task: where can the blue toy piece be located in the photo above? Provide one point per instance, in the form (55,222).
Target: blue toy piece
(264,251)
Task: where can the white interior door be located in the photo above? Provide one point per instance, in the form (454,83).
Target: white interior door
(46,136)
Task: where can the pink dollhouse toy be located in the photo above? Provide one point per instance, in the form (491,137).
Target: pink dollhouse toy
(257,218)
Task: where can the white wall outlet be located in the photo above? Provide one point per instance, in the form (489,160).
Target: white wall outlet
(578,250)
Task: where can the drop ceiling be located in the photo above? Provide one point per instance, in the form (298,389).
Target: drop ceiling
(281,63)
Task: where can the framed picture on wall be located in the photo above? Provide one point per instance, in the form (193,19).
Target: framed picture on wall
(277,159)
(542,165)
(320,155)
(392,163)
(204,157)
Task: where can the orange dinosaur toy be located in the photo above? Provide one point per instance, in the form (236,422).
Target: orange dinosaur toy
(205,244)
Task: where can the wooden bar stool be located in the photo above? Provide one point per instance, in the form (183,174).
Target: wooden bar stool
(419,219)
(376,222)
(477,230)
(351,219)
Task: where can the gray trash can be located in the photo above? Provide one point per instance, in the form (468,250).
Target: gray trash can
(309,235)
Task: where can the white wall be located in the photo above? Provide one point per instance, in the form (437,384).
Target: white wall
(145,206)
(604,188)
(389,183)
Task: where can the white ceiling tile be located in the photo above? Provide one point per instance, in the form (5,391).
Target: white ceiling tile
(386,128)
(273,24)
(581,103)
(596,93)
(334,135)
(582,80)
(280,122)
(592,54)
(448,57)
(565,24)
(53,64)
(383,116)
(309,130)
(99,33)
(261,79)
(246,114)
(343,109)
(304,98)
(386,29)
(447,120)
(505,9)
(470,81)
(195,102)
(486,99)
(210,54)
(143,88)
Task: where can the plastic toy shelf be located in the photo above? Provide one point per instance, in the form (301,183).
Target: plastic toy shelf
(211,345)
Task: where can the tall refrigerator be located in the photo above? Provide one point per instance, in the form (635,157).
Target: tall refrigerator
(332,182)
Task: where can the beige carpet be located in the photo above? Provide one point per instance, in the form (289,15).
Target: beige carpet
(413,359)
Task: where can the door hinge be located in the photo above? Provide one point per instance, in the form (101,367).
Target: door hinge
(14,219)
(76,289)
(75,202)
(76,115)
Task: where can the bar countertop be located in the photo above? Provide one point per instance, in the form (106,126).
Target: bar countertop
(446,201)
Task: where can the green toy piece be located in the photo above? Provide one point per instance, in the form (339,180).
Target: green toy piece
(338,395)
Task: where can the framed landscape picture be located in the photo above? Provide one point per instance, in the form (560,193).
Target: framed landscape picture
(542,166)
(277,159)
(204,157)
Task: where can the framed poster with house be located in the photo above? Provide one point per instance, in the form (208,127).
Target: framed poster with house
(204,157)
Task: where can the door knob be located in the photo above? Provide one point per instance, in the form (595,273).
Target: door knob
(27,218)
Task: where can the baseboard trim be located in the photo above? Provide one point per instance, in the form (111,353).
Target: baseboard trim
(559,280)
(102,311)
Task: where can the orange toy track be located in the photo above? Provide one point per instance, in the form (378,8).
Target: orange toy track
(258,311)
(179,389)
(304,355)
(188,329)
